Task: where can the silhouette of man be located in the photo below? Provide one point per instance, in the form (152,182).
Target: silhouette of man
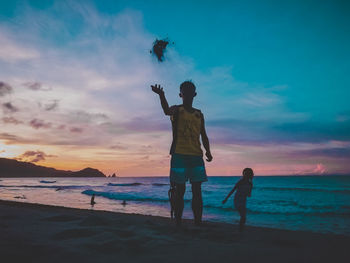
(186,153)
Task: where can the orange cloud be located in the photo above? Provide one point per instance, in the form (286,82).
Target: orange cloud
(320,169)
(34,156)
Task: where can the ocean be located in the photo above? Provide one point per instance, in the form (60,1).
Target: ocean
(311,203)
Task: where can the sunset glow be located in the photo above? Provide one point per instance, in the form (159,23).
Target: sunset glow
(75,86)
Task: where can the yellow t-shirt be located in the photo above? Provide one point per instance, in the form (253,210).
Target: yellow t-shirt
(187,128)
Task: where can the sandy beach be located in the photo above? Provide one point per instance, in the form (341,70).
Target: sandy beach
(41,233)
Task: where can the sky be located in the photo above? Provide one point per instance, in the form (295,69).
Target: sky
(272,79)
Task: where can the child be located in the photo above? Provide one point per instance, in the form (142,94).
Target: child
(244,188)
(186,153)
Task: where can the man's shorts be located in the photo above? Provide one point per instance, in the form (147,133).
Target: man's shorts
(187,167)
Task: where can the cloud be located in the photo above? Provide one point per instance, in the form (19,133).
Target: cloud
(38,124)
(76,130)
(11,120)
(336,153)
(11,51)
(101,74)
(320,169)
(9,107)
(261,99)
(149,124)
(118,146)
(250,131)
(8,137)
(51,106)
(5,89)
(81,116)
(97,70)
(14,139)
(35,86)
(33,156)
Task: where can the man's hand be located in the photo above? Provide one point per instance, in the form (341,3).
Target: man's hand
(157,89)
(209,156)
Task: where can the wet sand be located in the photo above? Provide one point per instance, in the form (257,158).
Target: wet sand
(41,233)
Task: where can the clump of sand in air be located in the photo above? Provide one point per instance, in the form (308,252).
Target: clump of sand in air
(159,48)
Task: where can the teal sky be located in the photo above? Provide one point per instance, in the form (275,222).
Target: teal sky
(302,44)
(271,73)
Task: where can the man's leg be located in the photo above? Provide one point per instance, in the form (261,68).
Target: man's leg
(197,202)
(179,202)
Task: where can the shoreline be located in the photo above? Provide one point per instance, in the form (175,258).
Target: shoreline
(308,204)
(36,232)
(167,176)
(187,221)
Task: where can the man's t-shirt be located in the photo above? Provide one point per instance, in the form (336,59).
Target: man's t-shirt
(186,132)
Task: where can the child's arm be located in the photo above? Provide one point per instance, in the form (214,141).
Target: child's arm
(205,141)
(167,110)
(250,190)
(230,193)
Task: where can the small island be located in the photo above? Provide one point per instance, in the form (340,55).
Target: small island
(13,168)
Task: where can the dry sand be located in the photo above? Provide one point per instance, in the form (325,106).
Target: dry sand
(41,233)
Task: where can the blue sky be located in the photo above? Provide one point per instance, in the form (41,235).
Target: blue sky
(272,79)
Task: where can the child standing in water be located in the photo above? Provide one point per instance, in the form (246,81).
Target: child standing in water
(244,188)
(186,153)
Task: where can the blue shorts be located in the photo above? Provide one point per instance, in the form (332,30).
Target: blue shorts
(187,167)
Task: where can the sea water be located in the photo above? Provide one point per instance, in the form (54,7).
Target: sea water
(312,203)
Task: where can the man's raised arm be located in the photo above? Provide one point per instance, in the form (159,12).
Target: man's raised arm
(167,110)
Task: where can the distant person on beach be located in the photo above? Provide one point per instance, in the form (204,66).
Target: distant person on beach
(92,202)
(124,203)
(186,153)
(243,189)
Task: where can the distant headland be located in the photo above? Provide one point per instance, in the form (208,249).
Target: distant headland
(14,168)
